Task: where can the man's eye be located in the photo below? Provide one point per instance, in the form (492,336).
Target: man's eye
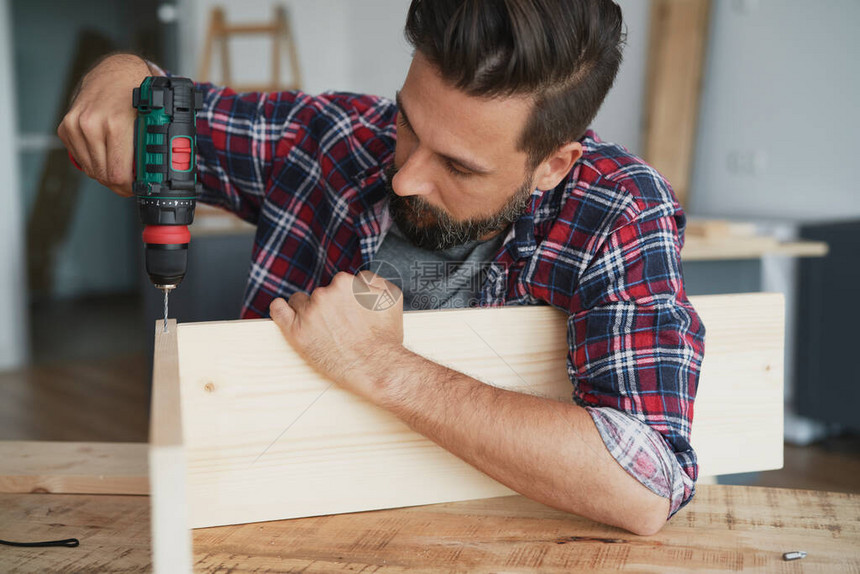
(454,170)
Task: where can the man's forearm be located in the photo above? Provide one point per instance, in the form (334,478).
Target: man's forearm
(546,450)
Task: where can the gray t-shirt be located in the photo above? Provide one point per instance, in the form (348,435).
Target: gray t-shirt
(435,279)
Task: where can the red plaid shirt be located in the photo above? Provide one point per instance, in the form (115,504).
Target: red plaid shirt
(604,246)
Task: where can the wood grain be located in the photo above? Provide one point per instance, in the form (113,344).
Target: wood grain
(73,468)
(268,438)
(113,533)
(171,541)
(738,420)
(724,529)
(165,429)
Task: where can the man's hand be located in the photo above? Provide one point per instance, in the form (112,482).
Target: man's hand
(341,337)
(98,129)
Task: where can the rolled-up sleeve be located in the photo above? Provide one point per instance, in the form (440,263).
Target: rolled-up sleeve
(636,347)
(643,453)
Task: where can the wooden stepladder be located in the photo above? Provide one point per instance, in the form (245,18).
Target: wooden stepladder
(280,31)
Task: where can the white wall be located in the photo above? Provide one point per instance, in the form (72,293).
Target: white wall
(379,55)
(13,325)
(620,119)
(779,128)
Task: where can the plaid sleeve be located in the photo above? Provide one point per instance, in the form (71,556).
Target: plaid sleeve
(636,346)
(239,137)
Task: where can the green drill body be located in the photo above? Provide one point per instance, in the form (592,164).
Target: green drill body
(165,174)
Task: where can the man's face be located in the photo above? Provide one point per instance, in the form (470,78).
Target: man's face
(457,173)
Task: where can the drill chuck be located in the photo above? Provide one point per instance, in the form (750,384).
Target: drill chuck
(166,253)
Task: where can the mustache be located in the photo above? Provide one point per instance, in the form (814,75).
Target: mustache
(431,227)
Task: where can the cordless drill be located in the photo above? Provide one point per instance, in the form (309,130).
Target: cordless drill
(165,175)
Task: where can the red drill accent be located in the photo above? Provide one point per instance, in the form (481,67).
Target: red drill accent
(180,153)
(166,234)
(74,163)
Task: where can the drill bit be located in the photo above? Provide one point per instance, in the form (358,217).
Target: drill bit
(166,289)
(166,293)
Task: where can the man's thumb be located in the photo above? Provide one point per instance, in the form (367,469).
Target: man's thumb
(281,313)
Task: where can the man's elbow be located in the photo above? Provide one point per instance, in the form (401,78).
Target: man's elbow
(641,515)
(647,519)
(648,525)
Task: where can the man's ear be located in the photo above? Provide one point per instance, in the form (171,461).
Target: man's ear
(553,169)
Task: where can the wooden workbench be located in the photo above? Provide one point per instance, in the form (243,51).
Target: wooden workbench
(725,528)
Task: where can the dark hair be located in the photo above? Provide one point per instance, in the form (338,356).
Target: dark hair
(564,53)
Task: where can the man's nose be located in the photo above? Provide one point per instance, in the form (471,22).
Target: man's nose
(415,176)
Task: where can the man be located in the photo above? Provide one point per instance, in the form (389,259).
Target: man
(486,156)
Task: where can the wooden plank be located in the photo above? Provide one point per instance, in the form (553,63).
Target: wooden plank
(728,248)
(677,41)
(166,423)
(171,542)
(73,468)
(737,425)
(268,438)
(716,228)
(323,449)
(802,249)
(253,29)
(723,529)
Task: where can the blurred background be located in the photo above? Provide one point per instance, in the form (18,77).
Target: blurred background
(749,107)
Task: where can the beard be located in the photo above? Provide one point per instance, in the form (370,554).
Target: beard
(432,228)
